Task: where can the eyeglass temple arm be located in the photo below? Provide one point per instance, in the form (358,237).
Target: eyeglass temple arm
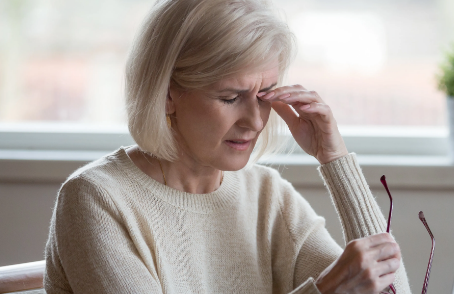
(383,181)
(429,265)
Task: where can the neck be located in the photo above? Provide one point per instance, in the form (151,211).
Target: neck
(185,174)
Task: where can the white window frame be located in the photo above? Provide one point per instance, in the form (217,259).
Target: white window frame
(413,157)
(77,138)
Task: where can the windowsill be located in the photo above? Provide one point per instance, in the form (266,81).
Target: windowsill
(409,172)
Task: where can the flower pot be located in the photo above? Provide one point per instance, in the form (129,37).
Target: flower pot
(450,106)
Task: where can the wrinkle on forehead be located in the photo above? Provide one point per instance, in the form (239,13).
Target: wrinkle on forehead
(248,81)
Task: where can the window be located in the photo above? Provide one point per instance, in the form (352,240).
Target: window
(373,62)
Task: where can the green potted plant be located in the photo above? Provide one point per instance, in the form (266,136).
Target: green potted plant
(446,84)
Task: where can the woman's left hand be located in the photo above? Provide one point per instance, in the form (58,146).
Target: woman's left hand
(313,125)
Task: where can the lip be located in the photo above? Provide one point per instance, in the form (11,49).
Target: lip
(238,144)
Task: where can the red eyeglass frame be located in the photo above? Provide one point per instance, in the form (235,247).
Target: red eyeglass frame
(423,220)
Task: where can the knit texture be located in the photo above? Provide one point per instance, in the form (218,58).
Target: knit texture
(116,230)
(358,211)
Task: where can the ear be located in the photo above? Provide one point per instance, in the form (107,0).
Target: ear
(170,100)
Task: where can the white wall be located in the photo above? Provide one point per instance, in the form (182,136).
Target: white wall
(25,211)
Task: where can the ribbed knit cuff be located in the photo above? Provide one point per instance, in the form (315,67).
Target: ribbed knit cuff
(307,287)
(358,211)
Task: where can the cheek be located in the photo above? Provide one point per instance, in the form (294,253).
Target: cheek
(204,123)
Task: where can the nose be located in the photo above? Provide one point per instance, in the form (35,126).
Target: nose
(251,117)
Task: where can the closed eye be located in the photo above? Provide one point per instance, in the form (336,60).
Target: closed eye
(228,100)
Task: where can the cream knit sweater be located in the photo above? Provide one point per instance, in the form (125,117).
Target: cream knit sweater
(116,230)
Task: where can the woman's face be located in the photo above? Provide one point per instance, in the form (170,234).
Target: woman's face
(219,126)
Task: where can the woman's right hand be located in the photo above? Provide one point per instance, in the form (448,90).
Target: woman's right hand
(366,266)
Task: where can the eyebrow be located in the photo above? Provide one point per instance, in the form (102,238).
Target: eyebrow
(244,91)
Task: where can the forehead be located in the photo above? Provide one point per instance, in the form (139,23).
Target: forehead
(249,79)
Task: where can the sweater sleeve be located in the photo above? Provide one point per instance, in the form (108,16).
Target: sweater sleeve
(89,250)
(358,211)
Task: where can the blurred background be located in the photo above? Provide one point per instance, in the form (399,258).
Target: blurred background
(373,61)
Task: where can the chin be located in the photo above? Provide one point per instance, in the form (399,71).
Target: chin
(234,163)
(237,160)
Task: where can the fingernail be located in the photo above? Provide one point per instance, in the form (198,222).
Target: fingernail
(268,96)
(261,94)
(286,96)
(307,106)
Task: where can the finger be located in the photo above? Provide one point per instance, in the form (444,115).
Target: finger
(292,93)
(287,89)
(378,239)
(292,96)
(314,108)
(285,111)
(385,281)
(387,266)
(367,243)
(377,277)
(367,282)
(301,96)
(385,251)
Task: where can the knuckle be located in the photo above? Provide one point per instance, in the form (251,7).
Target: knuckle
(327,108)
(314,93)
(395,264)
(392,248)
(356,245)
(395,247)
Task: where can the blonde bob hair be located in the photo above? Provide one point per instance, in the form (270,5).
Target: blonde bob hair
(192,44)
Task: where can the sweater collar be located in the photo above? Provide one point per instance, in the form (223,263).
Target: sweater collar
(224,196)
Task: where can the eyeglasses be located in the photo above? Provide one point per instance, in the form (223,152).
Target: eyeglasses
(423,220)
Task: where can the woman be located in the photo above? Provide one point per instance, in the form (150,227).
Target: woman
(183,211)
